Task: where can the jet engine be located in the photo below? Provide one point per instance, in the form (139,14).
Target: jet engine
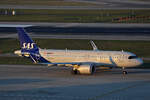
(85,69)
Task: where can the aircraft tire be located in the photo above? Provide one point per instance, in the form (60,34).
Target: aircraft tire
(75,72)
(125,72)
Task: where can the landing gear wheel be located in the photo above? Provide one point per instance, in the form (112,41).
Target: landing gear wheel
(125,72)
(75,72)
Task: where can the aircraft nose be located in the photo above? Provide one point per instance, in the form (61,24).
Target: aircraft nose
(140,61)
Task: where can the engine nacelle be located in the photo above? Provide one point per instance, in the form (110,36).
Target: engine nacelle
(86,69)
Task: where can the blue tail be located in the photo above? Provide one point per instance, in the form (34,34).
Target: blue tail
(28,47)
(26,43)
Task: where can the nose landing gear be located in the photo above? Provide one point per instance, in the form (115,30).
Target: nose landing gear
(124,72)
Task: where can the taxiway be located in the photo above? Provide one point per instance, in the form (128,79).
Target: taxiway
(35,82)
(100,4)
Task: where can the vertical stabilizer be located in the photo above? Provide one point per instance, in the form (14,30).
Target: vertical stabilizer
(28,47)
(26,43)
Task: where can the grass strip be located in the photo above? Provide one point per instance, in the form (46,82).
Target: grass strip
(141,48)
(15,60)
(80,16)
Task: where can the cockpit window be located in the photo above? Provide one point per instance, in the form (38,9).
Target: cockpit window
(132,57)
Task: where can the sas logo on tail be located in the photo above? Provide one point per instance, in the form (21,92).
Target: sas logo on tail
(28,45)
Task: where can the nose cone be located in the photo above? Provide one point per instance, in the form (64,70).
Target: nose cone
(139,62)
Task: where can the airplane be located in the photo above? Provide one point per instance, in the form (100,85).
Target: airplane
(81,61)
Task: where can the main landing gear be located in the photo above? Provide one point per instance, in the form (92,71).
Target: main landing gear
(124,72)
(74,71)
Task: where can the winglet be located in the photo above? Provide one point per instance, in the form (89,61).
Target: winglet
(93,45)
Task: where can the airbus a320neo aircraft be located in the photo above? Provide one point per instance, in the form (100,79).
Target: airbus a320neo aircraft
(82,61)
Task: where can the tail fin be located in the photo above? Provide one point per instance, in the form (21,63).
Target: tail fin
(26,43)
(28,47)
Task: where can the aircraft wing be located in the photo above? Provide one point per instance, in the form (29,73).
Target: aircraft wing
(81,63)
(72,63)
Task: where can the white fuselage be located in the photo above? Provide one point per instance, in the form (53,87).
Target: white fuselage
(116,58)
